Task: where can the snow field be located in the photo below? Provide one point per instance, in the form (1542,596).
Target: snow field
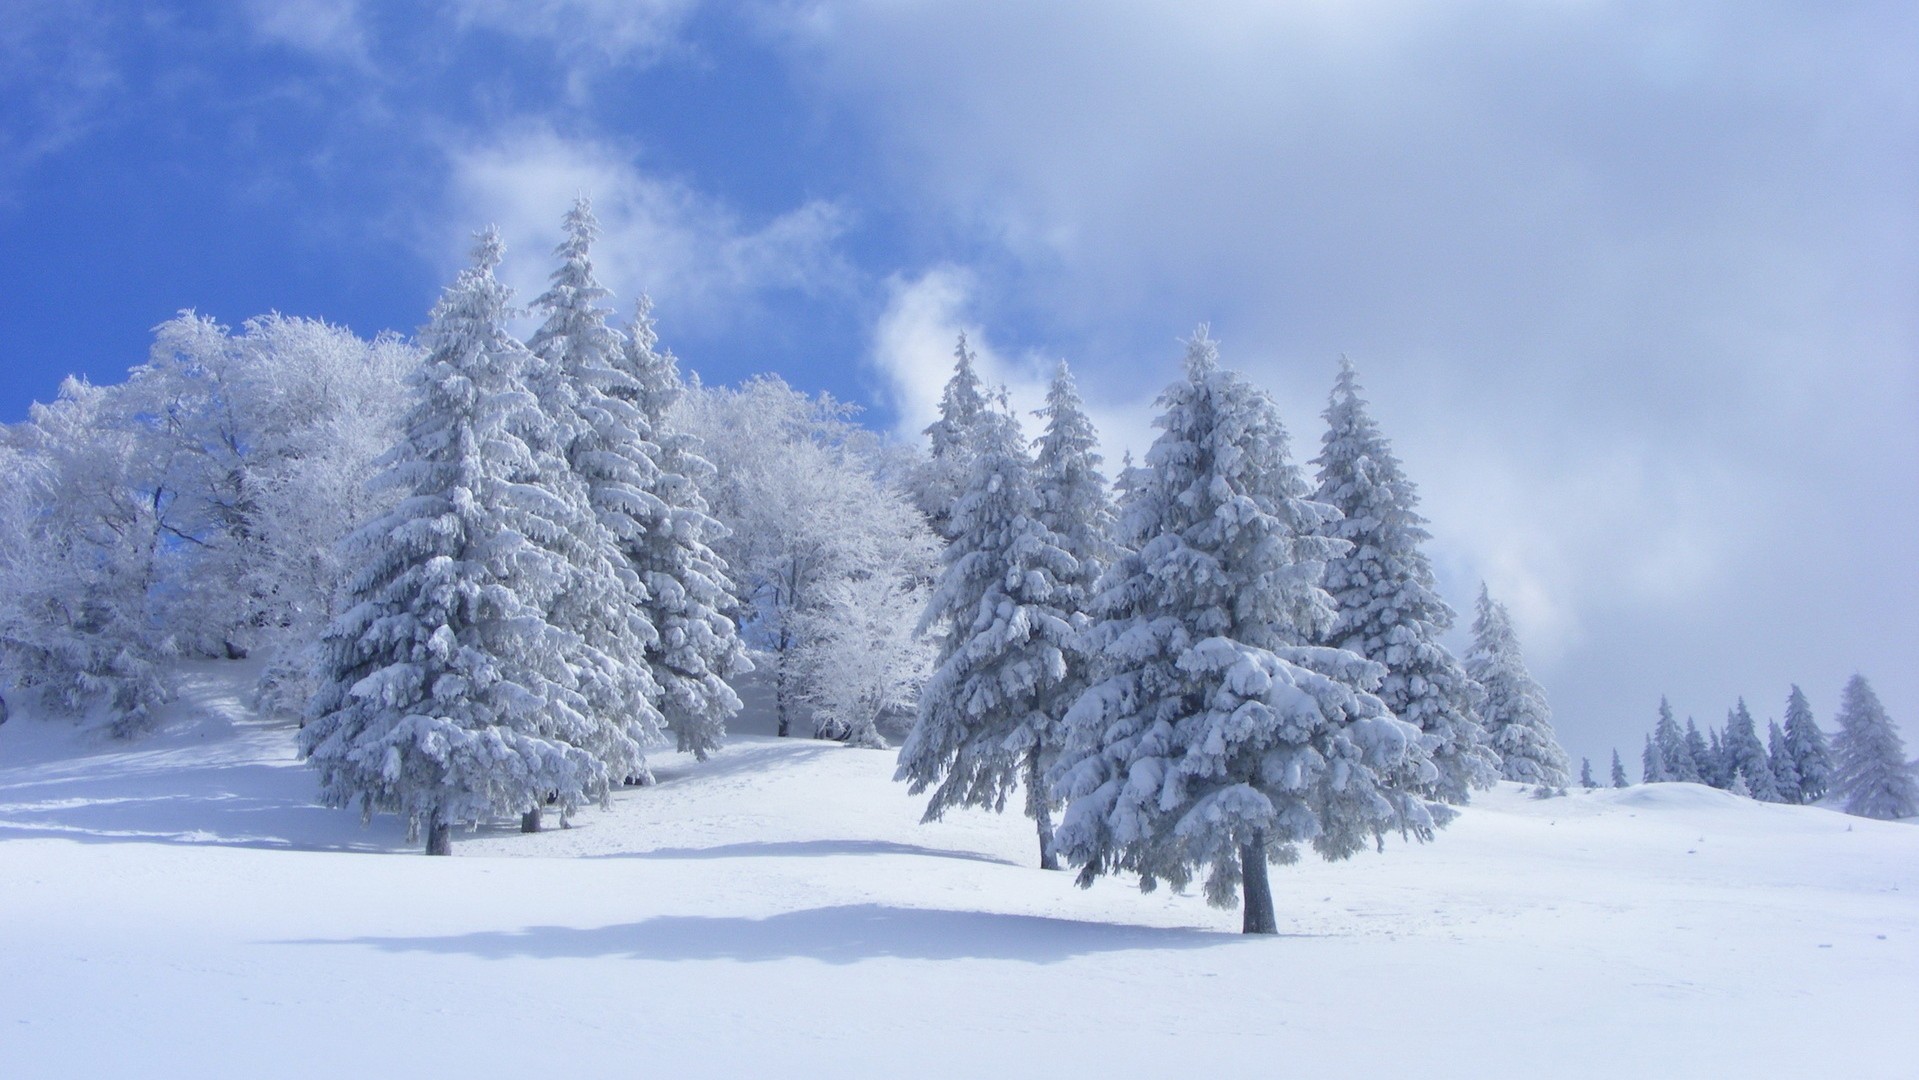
(178,907)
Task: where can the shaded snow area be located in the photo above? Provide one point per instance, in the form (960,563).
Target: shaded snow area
(178,907)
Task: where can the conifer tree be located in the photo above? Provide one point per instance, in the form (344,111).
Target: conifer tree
(600,453)
(1389,609)
(1811,759)
(1745,754)
(1785,776)
(989,717)
(446,694)
(1217,740)
(1870,773)
(1513,706)
(1739,786)
(1619,772)
(942,477)
(1703,756)
(1586,774)
(1675,756)
(1719,767)
(689,587)
(1652,764)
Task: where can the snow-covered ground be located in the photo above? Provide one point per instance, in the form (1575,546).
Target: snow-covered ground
(178,907)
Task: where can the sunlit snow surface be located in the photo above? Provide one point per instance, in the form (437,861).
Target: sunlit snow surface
(177,907)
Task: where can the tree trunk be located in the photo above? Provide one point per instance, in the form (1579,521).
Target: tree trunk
(530,821)
(1042,812)
(1258,902)
(439,837)
(779,688)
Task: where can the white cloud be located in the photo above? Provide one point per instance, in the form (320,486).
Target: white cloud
(603,29)
(698,259)
(325,28)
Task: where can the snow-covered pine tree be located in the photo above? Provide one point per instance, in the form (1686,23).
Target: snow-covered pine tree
(1785,776)
(1747,754)
(1513,707)
(1811,759)
(1701,754)
(989,718)
(1652,764)
(1870,773)
(943,475)
(1675,756)
(445,693)
(1216,740)
(1739,786)
(1586,774)
(1719,768)
(596,449)
(1619,772)
(1389,609)
(689,587)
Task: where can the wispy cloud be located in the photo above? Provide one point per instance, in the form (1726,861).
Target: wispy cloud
(330,29)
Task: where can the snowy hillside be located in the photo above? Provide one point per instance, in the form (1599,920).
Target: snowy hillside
(179,907)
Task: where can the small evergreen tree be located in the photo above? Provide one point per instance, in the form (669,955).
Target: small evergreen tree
(1675,756)
(1217,740)
(1747,755)
(1719,767)
(989,717)
(1811,759)
(1739,786)
(1870,772)
(1389,609)
(1518,720)
(1586,774)
(1699,752)
(1785,776)
(1619,772)
(1652,764)
(949,461)
(446,694)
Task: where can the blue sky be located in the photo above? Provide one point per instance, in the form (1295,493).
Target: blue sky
(1632,285)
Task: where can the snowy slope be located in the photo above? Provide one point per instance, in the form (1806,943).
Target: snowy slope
(178,908)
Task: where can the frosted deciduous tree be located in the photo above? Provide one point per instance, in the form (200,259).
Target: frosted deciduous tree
(1513,706)
(1811,758)
(990,717)
(446,693)
(1389,609)
(942,477)
(1217,740)
(1871,775)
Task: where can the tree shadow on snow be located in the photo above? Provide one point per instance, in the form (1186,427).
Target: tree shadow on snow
(806,849)
(843,934)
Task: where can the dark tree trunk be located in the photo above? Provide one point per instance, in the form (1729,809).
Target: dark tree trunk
(779,688)
(1042,812)
(530,821)
(1258,902)
(439,838)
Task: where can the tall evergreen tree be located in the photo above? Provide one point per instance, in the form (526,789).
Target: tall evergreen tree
(1513,706)
(1652,764)
(1217,740)
(447,695)
(1703,756)
(989,717)
(1719,768)
(1619,772)
(1675,756)
(689,587)
(1389,609)
(949,461)
(1811,759)
(1746,755)
(1870,772)
(600,451)
(1785,776)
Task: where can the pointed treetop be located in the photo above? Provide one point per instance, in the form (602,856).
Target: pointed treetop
(488,248)
(1202,353)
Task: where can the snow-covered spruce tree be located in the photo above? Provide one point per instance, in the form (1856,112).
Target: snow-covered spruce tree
(1518,720)
(689,588)
(1586,774)
(1870,773)
(1747,755)
(1785,776)
(949,456)
(1811,759)
(596,451)
(1739,786)
(1700,753)
(1652,765)
(1619,772)
(1718,769)
(1217,740)
(1383,587)
(1675,755)
(989,718)
(446,695)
